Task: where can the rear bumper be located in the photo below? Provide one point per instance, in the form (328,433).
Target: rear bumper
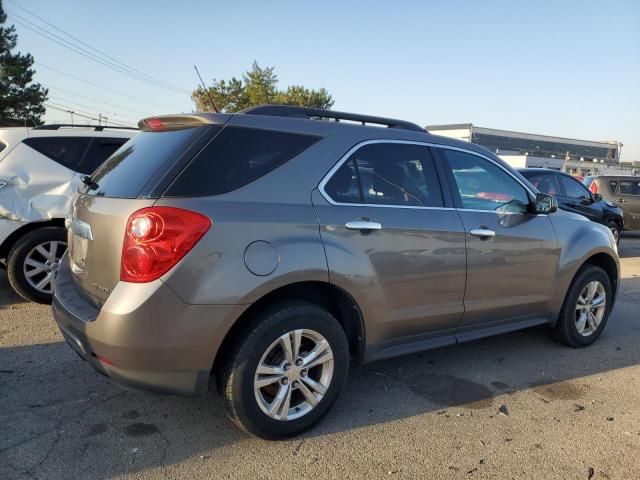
(144,336)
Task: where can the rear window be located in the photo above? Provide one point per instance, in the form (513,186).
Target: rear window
(127,171)
(236,157)
(630,187)
(66,151)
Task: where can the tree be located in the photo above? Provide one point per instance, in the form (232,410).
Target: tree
(257,86)
(20,98)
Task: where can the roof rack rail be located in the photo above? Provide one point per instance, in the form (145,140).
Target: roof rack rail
(97,128)
(310,113)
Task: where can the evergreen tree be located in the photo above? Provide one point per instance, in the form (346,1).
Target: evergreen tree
(20,98)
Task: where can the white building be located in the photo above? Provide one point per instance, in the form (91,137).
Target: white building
(578,157)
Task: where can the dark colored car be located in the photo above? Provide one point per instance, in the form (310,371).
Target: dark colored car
(573,196)
(268,247)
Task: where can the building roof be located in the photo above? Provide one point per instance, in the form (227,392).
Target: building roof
(528,136)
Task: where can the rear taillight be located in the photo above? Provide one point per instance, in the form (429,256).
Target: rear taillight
(593,187)
(155,240)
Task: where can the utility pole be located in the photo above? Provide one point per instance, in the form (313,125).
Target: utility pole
(99,119)
(71,112)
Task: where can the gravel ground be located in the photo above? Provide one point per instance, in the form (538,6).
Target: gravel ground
(569,413)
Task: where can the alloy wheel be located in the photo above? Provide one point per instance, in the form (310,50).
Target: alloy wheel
(293,374)
(41,265)
(590,308)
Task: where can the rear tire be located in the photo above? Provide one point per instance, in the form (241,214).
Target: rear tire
(24,255)
(615,230)
(255,408)
(583,318)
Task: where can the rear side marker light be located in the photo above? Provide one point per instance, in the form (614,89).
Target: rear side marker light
(105,360)
(155,240)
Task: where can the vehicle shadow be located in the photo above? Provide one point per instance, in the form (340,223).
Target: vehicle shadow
(61,419)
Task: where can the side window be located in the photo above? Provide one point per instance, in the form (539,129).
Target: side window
(236,157)
(485,186)
(343,187)
(66,151)
(99,151)
(628,187)
(387,174)
(573,188)
(545,182)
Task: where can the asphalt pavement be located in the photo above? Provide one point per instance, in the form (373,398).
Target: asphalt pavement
(513,406)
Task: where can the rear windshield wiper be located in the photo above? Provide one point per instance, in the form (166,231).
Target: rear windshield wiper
(88,181)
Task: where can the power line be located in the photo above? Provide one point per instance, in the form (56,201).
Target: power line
(66,100)
(80,113)
(25,23)
(93,48)
(95,100)
(105,88)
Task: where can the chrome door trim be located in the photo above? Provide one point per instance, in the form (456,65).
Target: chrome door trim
(356,147)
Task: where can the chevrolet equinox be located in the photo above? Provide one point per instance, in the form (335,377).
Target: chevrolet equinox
(270,247)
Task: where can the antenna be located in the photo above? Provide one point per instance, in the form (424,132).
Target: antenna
(215,109)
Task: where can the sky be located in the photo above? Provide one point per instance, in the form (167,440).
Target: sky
(562,68)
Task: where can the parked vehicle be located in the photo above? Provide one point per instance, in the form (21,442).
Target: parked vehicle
(40,169)
(573,196)
(624,191)
(269,246)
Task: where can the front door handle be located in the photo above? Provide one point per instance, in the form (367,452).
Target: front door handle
(482,232)
(363,225)
(621,200)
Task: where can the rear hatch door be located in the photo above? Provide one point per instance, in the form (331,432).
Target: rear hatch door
(124,184)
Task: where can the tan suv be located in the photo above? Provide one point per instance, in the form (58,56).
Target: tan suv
(268,247)
(623,190)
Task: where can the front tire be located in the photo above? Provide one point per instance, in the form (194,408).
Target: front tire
(285,372)
(586,308)
(33,262)
(615,230)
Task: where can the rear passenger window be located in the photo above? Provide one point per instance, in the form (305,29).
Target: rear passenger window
(387,174)
(236,157)
(614,185)
(2,146)
(99,151)
(66,151)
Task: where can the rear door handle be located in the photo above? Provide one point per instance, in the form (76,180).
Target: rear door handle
(363,225)
(482,232)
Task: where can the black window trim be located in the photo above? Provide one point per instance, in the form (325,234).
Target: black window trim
(437,160)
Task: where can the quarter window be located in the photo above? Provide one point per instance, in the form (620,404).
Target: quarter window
(387,174)
(236,157)
(481,185)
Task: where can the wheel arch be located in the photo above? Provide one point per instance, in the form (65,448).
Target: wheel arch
(331,297)
(10,241)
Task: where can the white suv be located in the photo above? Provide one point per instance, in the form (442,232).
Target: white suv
(40,169)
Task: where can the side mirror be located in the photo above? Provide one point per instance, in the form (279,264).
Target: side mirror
(597,197)
(546,204)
